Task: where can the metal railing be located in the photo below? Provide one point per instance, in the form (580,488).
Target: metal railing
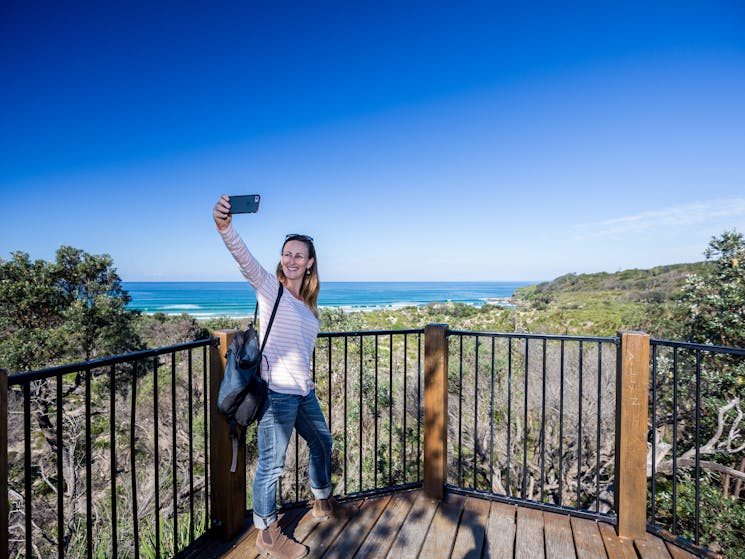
(532,417)
(529,418)
(108,458)
(696,438)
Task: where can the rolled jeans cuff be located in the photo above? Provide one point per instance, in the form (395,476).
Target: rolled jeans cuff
(324,493)
(262,523)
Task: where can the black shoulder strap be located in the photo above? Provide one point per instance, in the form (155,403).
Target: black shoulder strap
(271,319)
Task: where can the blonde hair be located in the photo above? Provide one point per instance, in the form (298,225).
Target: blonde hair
(311,284)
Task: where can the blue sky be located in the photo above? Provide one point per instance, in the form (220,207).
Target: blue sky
(414,140)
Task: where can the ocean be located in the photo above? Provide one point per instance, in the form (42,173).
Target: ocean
(236,299)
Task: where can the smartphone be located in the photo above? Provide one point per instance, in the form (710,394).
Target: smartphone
(244,204)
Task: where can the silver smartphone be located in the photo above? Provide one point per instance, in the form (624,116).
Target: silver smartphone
(248,204)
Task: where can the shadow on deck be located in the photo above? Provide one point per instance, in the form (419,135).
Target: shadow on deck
(409,524)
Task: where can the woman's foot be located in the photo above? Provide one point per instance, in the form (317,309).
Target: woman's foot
(273,542)
(324,509)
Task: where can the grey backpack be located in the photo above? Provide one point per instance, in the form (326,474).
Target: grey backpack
(242,391)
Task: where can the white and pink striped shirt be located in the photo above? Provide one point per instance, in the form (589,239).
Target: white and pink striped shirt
(289,349)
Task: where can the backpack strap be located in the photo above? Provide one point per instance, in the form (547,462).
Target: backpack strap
(234,441)
(271,318)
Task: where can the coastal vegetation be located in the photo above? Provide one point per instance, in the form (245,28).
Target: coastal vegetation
(74,309)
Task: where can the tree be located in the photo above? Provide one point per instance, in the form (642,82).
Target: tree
(713,302)
(711,310)
(72,309)
(69,310)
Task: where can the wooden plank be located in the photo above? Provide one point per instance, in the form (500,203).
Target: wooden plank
(245,547)
(529,539)
(557,530)
(651,547)
(411,536)
(588,541)
(617,548)
(500,532)
(469,540)
(381,537)
(678,552)
(435,409)
(632,387)
(442,531)
(320,535)
(354,533)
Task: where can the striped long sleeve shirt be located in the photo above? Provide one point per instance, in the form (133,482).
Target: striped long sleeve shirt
(289,349)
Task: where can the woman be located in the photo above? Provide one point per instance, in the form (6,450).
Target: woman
(285,366)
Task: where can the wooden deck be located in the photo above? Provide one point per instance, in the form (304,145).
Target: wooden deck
(407,525)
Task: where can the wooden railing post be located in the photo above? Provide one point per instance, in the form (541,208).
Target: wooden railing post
(435,409)
(4,520)
(228,490)
(632,399)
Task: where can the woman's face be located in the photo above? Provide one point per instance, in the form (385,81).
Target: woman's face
(295,260)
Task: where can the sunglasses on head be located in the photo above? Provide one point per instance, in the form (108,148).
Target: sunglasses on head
(297,237)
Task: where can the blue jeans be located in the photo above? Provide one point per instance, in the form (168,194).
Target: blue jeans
(281,414)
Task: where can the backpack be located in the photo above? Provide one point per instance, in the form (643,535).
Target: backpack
(242,390)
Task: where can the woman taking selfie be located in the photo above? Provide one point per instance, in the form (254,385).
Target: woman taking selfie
(285,366)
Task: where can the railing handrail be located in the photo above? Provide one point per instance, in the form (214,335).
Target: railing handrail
(535,336)
(39,374)
(698,346)
(49,372)
(357,333)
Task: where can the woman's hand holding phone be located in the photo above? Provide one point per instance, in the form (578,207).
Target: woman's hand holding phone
(228,205)
(221,213)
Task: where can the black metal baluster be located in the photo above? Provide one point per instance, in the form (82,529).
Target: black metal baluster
(61,537)
(561,426)
(112,444)
(475,414)
(697,532)
(207,426)
(191,447)
(653,495)
(133,460)
(28,495)
(346,411)
(390,410)
(509,413)
(375,419)
(579,431)
(491,419)
(174,454)
(88,469)
(543,422)
(460,412)
(523,489)
(406,372)
(361,437)
(674,476)
(156,457)
(600,415)
(419,408)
